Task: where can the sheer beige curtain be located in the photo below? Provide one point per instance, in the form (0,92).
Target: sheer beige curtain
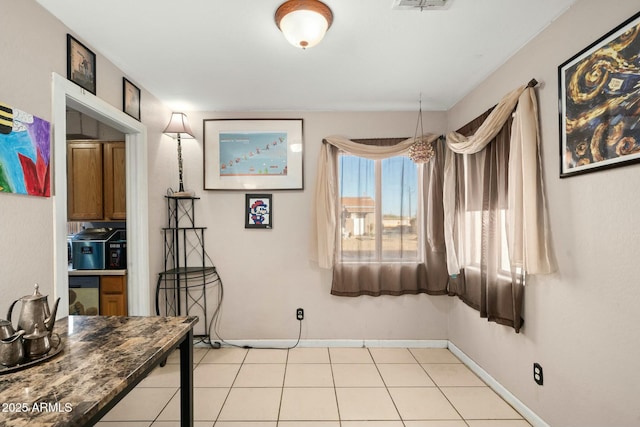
(529,242)
(485,280)
(429,275)
(493,242)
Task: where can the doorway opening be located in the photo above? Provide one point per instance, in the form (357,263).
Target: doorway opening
(67,95)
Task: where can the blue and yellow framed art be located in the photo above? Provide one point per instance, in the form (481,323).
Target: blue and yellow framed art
(253,154)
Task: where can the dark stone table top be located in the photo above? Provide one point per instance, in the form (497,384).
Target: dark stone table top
(101,357)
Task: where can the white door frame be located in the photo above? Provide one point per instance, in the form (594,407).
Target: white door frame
(67,94)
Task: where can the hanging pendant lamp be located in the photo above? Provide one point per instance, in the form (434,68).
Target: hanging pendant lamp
(303,22)
(422,150)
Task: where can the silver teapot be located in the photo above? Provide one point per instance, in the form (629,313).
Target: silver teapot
(35,311)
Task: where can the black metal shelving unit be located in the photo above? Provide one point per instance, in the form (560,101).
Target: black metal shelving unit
(188,271)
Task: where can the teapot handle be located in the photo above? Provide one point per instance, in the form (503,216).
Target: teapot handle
(11,309)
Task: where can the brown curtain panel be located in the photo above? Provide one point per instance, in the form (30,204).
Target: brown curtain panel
(428,276)
(486,281)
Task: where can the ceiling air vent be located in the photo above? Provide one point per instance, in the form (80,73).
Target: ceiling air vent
(421,4)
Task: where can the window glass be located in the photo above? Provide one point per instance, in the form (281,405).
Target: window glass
(379,209)
(399,209)
(358,208)
(473,241)
(473,227)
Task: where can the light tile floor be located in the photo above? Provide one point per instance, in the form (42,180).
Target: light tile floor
(318,387)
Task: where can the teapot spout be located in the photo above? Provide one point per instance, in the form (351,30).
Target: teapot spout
(51,320)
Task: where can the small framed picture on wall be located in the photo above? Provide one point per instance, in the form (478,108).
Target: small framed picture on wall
(81,64)
(258,211)
(130,99)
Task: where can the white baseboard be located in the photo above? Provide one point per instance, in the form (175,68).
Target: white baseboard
(334,343)
(527,413)
(407,343)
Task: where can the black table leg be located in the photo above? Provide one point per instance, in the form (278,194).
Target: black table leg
(186,381)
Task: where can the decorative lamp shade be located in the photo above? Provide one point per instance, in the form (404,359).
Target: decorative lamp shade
(179,125)
(421,151)
(304,22)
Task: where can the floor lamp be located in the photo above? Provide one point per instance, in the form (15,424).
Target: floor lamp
(179,125)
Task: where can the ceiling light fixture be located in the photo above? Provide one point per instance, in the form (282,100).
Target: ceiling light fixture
(304,22)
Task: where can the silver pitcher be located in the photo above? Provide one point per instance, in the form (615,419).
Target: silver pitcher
(11,346)
(35,311)
(6,329)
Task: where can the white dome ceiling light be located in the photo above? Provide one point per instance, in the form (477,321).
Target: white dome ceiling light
(304,22)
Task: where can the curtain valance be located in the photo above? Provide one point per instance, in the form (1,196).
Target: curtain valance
(324,241)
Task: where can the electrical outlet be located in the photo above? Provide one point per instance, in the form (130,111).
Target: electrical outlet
(299,314)
(537,374)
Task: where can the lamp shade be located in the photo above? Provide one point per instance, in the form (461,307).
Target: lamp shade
(304,22)
(179,125)
(421,151)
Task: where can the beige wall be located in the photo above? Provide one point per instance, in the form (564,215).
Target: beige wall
(581,323)
(267,273)
(26,222)
(34,46)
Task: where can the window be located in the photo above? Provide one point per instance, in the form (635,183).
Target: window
(476,217)
(473,242)
(379,220)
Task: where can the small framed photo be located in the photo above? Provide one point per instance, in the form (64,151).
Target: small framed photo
(130,99)
(258,211)
(81,65)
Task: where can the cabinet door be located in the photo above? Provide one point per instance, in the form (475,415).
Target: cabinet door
(111,305)
(113,295)
(115,186)
(84,181)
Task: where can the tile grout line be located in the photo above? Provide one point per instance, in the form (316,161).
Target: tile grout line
(386,387)
(438,387)
(284,377)
(230,387)
(335,389)
(165,405)
(174,394)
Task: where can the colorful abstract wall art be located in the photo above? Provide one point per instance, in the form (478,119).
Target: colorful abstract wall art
(25,153)
(599,92)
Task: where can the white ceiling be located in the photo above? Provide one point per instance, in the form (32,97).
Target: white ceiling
(228,55)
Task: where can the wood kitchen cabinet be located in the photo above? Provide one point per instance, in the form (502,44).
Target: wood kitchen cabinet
(113,295)
(115,183)
(96,181)
(84,181)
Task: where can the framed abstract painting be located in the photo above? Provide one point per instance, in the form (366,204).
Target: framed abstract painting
(599,103)
(25,153)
